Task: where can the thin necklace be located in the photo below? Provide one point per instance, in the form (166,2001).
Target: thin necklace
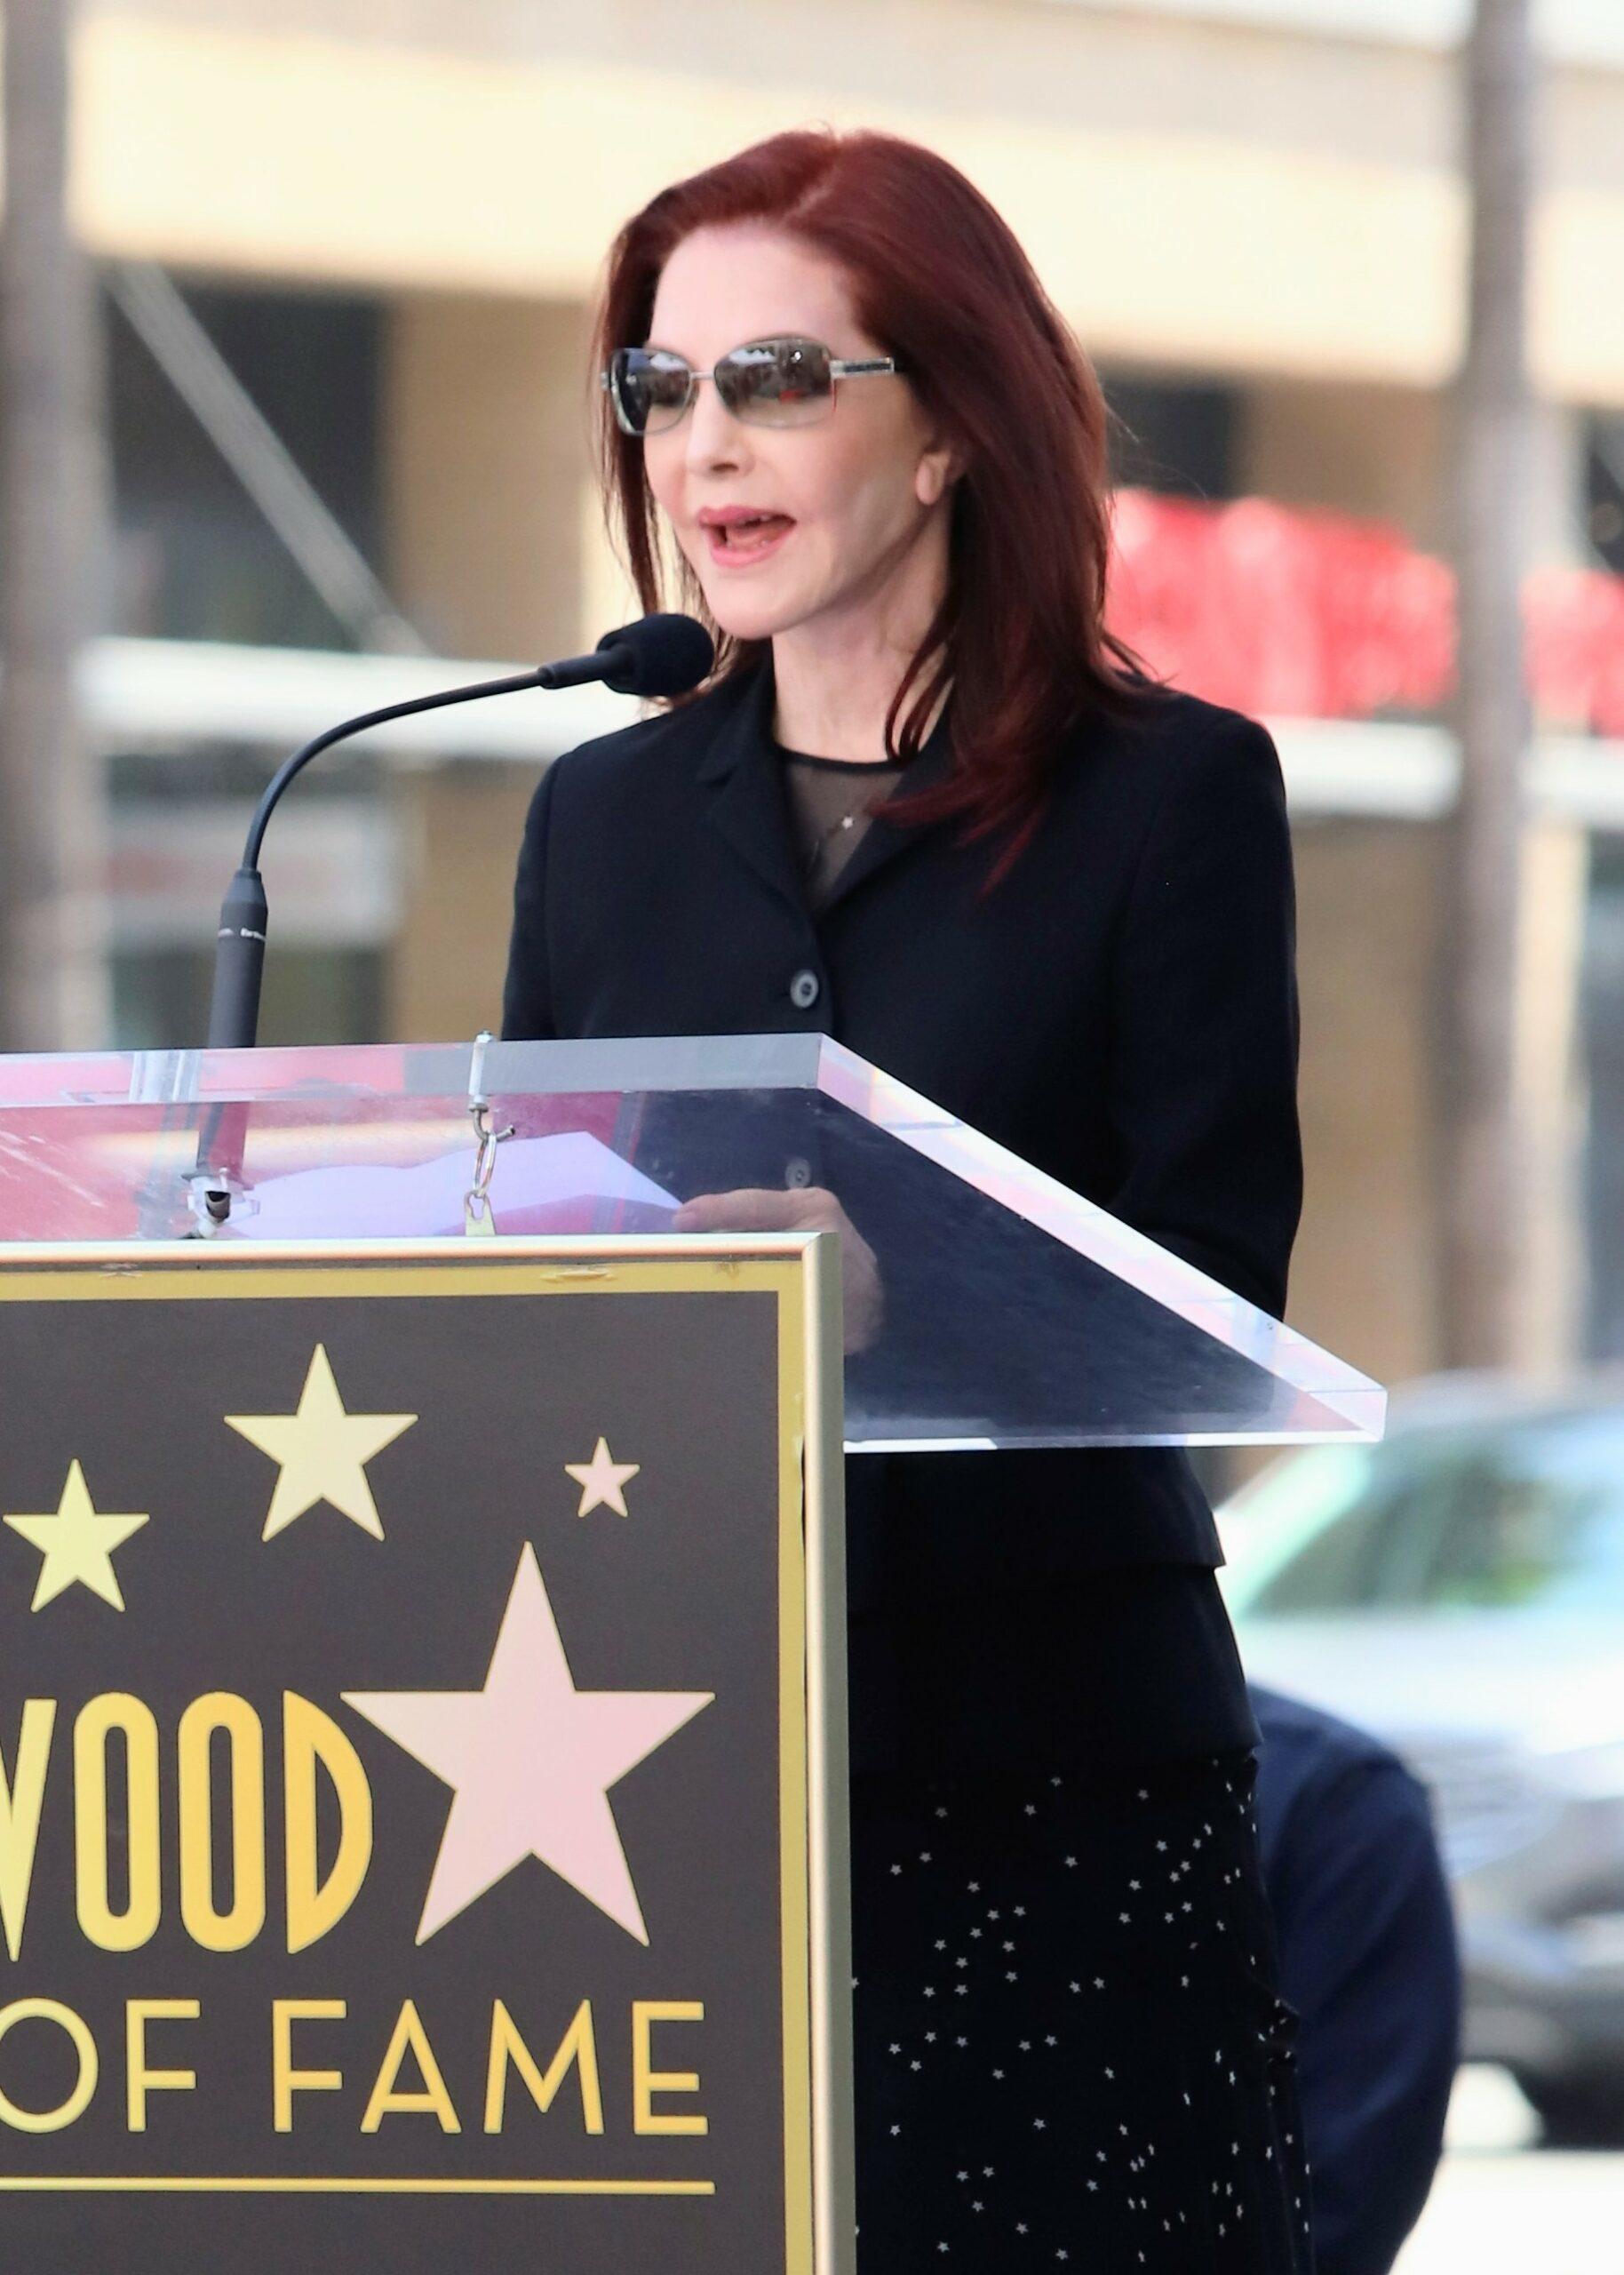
(846,821)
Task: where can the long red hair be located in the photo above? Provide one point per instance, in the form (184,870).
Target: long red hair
(939,280)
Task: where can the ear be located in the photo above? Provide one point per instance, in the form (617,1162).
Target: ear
(937,469)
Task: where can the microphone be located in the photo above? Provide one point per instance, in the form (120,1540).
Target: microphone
(658,655)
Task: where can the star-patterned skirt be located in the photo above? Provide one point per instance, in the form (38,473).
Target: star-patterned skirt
(1070,2050)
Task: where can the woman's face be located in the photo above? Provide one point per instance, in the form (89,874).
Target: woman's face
(852,495)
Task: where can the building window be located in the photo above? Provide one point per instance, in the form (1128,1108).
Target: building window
(195,559)
(1605,488)
(1174,436)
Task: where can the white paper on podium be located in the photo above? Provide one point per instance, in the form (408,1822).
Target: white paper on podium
(539,1182)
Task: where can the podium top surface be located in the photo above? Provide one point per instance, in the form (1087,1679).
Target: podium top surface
(989,1304)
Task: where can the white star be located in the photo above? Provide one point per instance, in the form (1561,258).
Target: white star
(322,1451)
(603,1480)
(77,1543)
(532,1760)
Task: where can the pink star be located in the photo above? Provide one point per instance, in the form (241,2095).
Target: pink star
(603,1480)
(531,1760)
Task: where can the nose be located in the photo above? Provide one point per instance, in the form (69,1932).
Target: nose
(715,441)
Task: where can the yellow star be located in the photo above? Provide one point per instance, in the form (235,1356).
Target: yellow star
(77,1543)
(324,1451)
(602,1479)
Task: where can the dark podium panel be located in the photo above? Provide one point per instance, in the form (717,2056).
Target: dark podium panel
(417,1726)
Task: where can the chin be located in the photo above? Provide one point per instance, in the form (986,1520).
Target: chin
(750,616)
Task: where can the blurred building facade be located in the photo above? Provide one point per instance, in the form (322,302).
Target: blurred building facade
(389,217)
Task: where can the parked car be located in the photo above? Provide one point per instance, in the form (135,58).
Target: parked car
(1458,1590)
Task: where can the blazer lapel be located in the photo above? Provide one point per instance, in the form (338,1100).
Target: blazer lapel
(748,805)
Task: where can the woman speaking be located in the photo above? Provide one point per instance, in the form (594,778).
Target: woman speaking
(926,804)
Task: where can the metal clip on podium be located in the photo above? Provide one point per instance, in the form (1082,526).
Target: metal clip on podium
(421,1659)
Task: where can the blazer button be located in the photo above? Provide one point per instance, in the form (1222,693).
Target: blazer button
(798,1171)
(805,989)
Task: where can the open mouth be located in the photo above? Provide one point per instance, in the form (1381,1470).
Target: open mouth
(748,540)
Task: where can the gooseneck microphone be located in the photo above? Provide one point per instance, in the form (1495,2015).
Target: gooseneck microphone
(658,655)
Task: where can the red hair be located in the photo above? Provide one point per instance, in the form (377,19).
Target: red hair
(938,279)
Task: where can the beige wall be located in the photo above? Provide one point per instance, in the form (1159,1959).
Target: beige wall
(1363,1273)
(1230,198)
(490,508)
(1382,451)
(1357,448)
(461,832)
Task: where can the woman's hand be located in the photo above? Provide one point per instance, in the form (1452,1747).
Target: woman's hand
(805,1208)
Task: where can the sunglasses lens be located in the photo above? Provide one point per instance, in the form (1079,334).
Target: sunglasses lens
(777,382)
(650,387)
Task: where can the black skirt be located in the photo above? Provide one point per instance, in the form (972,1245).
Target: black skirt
(1069,2049)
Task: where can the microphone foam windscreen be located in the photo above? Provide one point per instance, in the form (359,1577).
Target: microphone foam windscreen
(663,654)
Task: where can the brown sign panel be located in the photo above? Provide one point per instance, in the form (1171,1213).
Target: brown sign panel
(405,1731)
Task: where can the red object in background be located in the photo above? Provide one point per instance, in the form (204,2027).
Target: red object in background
(1318,615)
(1575,623)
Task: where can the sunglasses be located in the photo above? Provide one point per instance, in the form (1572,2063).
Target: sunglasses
(765,383)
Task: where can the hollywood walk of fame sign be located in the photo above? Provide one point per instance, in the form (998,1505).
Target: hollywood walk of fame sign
(416,1737)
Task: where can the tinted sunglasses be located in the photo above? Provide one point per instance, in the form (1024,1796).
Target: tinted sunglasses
(766,383)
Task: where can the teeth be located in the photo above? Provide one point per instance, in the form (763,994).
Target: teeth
(743,533)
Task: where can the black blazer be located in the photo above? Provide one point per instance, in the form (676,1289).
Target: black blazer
(1121,1010)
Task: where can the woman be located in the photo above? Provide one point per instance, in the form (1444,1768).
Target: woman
(832,377)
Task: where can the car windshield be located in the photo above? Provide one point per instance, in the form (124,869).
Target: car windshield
(1515,1516)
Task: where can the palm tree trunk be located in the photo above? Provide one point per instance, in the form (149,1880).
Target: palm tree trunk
(52,919)
(1484,1163)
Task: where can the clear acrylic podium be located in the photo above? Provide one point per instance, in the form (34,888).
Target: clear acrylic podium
(1016,1313)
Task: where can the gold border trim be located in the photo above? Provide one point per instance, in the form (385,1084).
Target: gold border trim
(802,1270)
(325,2184)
